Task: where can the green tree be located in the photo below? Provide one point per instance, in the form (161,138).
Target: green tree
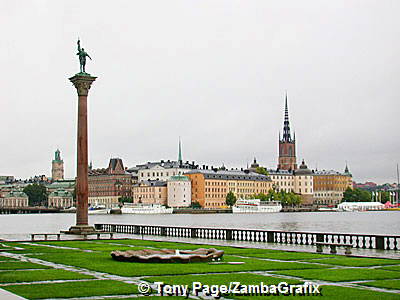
(356,195)
(125,199)
(37,194)
(195,204)
(261,170)
(384,196)
(230,199)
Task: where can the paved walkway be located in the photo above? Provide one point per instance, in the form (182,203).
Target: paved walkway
(6,295)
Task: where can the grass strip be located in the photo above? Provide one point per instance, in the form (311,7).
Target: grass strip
(40,275)
(357,261)
(312,257)
(338,275)
(20,265)
(387,284)
(73,289)
(392,268)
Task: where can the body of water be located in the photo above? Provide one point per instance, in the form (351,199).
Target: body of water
(375,222)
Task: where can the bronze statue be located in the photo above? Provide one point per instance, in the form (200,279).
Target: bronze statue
(82,57)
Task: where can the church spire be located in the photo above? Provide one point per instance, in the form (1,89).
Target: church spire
(286,127)
(180,151)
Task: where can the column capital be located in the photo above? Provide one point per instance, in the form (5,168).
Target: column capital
(82,83)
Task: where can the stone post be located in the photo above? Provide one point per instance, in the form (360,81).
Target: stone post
(82,83)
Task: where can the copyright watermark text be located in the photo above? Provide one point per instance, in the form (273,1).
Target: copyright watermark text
(233,288)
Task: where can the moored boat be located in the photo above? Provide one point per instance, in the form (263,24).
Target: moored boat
(256,206)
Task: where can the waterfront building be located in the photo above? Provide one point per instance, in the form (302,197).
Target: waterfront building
(287,145)
(66,184)
(150,192)
(329,186)
(179,191)
(57,167)
(162,170)
(304,183)
(109,184)
(14,199)
(60,199)
(210,187)
(299,181)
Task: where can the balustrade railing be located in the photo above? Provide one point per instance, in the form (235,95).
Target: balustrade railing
(363,241)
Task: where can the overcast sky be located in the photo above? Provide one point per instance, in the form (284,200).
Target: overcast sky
(213,72)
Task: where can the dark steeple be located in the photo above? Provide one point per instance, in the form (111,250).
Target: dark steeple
(286,127)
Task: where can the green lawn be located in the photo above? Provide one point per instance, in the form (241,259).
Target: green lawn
(73,289)
(306,267)
(102,262)
(387,284)
(357,261)
(5,258)
(337,275)
(392,268)
(40,275)
(10,265)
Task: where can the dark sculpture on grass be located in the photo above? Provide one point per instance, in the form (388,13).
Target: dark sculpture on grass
(82,57)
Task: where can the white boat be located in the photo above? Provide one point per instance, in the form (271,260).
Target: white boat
(130,208)
(98,209)
(360,206)
(256,206)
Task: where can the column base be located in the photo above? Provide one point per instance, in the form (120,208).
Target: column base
(80,229)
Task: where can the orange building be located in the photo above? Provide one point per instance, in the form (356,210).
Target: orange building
(210,187)
(150,192)
(329,186)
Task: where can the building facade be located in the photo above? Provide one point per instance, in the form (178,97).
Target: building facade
(210,187)
(150,192)
(107,185)
(60,199)
(57,167)
(329,186)
(14,199)
(179,191)
(287,145)
(161,170)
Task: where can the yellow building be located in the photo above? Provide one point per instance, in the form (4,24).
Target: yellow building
(210,187)
(329,186)
(150,192)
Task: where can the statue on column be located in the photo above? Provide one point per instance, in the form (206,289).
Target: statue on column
(82,57)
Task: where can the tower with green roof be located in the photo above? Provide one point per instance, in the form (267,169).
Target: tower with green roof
(57,167)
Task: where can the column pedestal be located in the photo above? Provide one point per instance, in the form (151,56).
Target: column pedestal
(82,83)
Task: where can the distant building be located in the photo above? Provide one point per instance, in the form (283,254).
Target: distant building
(60,199)
(299,181)
(304,183)
(6,179)
(210,187)
(287,145)
(179,191)
(66,184)
(329,186)
(150,192)
(162,170)
(14,199)
(107,185)
(57,167)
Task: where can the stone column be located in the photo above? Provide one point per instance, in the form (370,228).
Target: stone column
(82,84)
